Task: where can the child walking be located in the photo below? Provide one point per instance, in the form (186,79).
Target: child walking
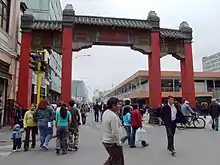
(16,137)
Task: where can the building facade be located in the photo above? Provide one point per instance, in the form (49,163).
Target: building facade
(45,9)
(51,84)
(10,40)
(54,90)
(136,87)
(211,63)
(79,91)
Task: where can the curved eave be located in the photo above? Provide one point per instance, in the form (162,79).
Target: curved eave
(172,33)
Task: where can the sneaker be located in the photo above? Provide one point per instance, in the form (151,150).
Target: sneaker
(146,144)
(70,149)
(57,151)
(19,150)
(64,152)
(45,148)
(173,153)
(75,148)
(41,146)
(14,150)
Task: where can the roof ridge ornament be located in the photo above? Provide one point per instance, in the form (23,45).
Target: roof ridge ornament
(186,30)
(68,7)
(184,24)
(152,14)
(26,22)
(153,19)
(68,15)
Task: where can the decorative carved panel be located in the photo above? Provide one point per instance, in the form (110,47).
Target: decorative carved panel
(86,37)
(141,42)
(57,42)
(112,37)
(77,46)
(82,35)
(172,46)
(36,41)
(45,39)
(82,39)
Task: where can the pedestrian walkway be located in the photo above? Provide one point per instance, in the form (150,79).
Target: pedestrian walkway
(191,145)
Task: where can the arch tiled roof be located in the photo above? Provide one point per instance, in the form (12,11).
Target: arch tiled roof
(110,21)
(47,25)
(107,21)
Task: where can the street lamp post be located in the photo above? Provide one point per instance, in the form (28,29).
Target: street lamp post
(80,56)
(87,55)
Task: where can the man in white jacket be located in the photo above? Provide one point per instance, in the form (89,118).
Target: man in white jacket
(111,133)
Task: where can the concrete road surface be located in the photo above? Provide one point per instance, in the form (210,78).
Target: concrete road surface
(194,147)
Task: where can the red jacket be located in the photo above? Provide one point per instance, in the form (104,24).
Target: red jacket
(136,118)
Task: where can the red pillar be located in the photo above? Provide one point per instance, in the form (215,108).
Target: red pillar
(154,71)
(24,83)
(188,88)
(183,79)
(66,64)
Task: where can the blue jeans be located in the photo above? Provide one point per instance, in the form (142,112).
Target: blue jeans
(128,136)
(45,133)
(215,123)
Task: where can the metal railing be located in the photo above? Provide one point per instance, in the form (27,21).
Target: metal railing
(171,89)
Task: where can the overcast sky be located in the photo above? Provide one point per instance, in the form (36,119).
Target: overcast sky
(109,66)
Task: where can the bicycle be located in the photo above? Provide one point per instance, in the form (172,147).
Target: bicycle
(194,120)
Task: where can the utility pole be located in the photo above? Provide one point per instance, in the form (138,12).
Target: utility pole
(39,67)
(38,82)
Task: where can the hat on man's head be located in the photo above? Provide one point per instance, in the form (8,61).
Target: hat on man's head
(213,99)
(186,102)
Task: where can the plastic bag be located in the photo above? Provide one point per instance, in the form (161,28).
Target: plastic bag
(209,120)
(140,135)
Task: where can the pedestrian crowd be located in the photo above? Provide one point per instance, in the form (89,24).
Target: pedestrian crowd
(115,115)
(170,114)
(66,119)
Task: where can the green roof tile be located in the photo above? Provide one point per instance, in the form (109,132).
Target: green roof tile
(107,21)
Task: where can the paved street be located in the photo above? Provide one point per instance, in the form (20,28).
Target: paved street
(193,147)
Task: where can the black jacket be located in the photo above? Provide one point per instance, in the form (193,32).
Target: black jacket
(165,115)
(214,110)
(96,108)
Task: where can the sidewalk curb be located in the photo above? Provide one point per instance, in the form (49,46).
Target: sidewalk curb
(7,142)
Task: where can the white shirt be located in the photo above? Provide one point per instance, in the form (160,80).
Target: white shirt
(173,112)
(111,127)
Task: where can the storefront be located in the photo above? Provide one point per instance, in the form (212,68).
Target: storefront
(4,78)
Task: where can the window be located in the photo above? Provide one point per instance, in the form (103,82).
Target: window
(4,14)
